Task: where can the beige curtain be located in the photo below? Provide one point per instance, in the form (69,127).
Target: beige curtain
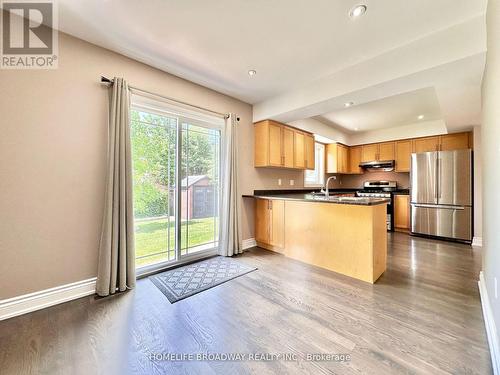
(116,269)
(230,228)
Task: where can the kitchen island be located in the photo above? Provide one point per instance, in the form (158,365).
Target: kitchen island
(347,235)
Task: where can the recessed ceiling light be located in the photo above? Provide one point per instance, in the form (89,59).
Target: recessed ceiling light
(348,104)
(356,129)
(252,72)
(421,117)
(357,11)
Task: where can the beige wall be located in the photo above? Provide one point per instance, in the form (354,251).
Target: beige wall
(490,155)
(52,161)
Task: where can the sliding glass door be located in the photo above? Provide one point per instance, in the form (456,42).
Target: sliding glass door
(176,165)
(200,187)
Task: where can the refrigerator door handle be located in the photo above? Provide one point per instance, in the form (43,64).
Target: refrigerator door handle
(443,206)
(436,181)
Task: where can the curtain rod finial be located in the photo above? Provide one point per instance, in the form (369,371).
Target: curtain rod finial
(106,80)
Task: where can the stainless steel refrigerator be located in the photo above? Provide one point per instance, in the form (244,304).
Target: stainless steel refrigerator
(441,194)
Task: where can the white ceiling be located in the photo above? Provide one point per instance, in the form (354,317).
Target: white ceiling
(399,59)
(289,42)
(397,110)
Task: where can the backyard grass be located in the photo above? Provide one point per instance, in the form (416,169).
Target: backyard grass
(153,237)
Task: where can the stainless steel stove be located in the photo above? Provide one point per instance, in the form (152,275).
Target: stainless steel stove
(381,189)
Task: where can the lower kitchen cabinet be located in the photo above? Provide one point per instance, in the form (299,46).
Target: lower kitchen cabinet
(402,212)
(270,223)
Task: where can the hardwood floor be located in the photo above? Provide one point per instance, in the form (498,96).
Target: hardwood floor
(422,316)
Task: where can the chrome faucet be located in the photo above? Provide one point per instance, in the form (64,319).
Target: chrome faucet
(327,195)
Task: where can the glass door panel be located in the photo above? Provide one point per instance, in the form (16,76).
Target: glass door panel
(154,145)
(200,187)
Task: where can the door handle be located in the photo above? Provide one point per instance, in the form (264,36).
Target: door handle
(446,207)
(438,182)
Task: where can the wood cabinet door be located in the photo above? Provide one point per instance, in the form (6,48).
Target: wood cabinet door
(262,220)
(331,158)
(427,144)
(277,237)
(402,211)
(386,151)
(310,152)
(403,156)
(275,146)
(288,147)
(355,159)
(369,152)
(300,150)
(342,159)
(457,141)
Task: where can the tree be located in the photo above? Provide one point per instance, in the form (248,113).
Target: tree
(154,140)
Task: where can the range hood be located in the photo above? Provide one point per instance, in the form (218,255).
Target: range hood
(378,165)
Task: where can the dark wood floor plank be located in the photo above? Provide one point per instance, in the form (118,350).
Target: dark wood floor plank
(423,316)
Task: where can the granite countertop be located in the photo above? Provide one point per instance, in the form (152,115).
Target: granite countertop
(308,197)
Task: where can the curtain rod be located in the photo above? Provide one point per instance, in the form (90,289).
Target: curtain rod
(107,81)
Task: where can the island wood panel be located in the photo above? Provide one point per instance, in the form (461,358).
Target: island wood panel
(262,220)
(348,239)
(277,237)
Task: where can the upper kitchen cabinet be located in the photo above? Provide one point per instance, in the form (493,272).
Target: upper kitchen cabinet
(378,151)
(426,144)
(369,152)
(281,146)
(355,159)
(268,133)
(386,151)
(310,157)
(402,155)
(288,147)
(446,142)
(337,158)
(299,151)
(455,141)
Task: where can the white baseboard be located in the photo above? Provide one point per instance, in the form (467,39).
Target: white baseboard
(477,241)
(248,243)
(491,330)
(39,300)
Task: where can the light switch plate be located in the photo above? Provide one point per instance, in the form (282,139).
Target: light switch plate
(279,181)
